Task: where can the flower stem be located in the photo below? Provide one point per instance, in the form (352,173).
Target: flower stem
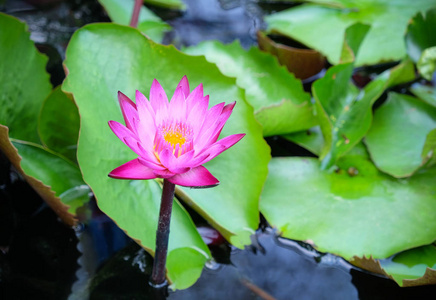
(162,234)
(135,14)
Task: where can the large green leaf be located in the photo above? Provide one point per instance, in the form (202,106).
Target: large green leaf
(280,103)
(322,26)
(355,211)
(105,58)
(58,124)
(399,133)
(24,83)
(120,11)
(345,112)
(171,4)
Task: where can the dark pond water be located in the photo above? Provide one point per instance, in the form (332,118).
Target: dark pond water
(41,258)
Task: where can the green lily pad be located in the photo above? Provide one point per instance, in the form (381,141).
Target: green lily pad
(59,123)
(355,211)
(321,26)
(103,59)
(427,93)
(280,104)
(120,11)
(24,83)
(420,34)
(408,266)
(398,134)
(61,187)
(345,112)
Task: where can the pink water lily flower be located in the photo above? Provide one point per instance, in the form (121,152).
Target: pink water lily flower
(172,139)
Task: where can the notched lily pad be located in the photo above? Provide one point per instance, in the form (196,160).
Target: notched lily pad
(31,161)
(355,211)
(399,140)
(280,104)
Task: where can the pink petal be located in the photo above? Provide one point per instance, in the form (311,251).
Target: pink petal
(177,106)
(197,177)
(220,146)
(128,108)
(169,161)
(151,165)
(121,131)
(184,84)
(195,96)
(146,126)
(197,114)
(158,99)
(132,170)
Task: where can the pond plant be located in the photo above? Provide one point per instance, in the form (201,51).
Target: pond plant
(361,184)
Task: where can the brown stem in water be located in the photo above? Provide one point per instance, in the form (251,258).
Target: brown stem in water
(135,14)
(162,234)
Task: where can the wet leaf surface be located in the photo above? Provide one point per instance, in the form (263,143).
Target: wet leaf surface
(279,101)
(23,77)
(399,141)
(58,124)
(138,61)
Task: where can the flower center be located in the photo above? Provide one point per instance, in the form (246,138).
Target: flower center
(176,136)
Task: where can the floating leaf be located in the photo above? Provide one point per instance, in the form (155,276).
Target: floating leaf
(280,103)
(355,211)
(310,139)
(24,83)
(345,112)
(321,26)
(59,123)
(420,34)
(398,134)
(120,11)
(94,79)
(64,194)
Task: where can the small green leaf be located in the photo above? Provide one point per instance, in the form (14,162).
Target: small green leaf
(345,112)
(398,134)
(280,104)
(310,139)
(58,124)
(24,83)
(355,211)
(420,34)
(321,26)
(408,266)
(120,11)
(427,63)
(171,4)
